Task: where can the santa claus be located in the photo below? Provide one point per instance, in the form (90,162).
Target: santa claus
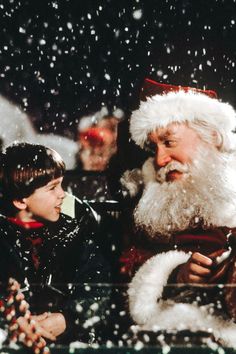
(188,203)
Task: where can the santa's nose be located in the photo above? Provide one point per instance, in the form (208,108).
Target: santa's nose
(162,157)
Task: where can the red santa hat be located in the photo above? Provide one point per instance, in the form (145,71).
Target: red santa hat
(167,104)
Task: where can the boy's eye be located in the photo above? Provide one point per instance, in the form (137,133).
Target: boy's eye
(52,187)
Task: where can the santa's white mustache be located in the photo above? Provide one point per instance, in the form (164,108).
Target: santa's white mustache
(162,173)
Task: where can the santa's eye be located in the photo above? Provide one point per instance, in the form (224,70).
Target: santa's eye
(169,143)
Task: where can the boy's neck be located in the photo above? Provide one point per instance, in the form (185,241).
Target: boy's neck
(25,217)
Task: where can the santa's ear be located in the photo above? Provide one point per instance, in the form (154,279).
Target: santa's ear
(19,203)
(217,139)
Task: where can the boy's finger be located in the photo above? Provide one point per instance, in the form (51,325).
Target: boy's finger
(40,317)
(46,334)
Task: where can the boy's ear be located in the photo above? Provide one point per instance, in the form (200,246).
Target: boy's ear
(19,204)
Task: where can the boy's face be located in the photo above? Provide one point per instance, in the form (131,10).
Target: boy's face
(45,203)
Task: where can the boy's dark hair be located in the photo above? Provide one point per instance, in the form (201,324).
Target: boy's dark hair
(26,167)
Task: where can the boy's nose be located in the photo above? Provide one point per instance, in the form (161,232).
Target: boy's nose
(61,193)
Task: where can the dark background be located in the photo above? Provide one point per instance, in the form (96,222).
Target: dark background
(60,60)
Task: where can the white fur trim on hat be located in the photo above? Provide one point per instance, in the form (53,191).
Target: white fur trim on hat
(151,313)
(161,110)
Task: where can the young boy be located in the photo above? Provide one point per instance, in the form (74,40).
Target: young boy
(39,244)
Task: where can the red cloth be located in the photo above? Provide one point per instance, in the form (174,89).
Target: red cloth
(26,224)
(132,259)
(36,241)
(203,241)
(151,88)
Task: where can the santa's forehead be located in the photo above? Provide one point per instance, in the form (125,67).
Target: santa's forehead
(169,130)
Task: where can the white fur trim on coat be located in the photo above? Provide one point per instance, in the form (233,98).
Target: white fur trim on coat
(147,285)
(150,312)
(161,110)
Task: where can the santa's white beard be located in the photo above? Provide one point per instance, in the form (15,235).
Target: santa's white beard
(205,196)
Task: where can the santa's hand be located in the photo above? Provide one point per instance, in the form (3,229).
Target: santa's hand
(221,262)
(197,270)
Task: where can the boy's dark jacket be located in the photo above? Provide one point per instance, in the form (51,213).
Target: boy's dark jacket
(53,255)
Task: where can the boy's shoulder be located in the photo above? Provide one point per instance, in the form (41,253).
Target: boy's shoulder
(2,217)
(3,220)
(5,226)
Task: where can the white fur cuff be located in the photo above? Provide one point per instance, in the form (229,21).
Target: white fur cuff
(147,285)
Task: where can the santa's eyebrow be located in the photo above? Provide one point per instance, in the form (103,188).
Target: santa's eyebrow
(166,135)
